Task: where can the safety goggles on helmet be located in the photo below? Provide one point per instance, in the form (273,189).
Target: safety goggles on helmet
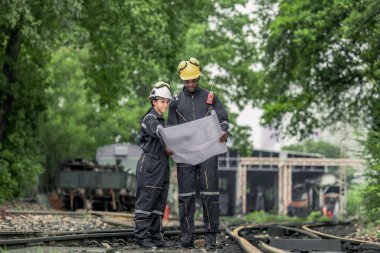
(161,90)
(183,64)
(161,84)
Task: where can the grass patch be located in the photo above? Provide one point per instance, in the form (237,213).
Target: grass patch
(267,218)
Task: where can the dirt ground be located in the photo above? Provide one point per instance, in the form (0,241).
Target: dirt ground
(23,205)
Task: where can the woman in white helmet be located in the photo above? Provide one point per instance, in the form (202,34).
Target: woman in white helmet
(152,172)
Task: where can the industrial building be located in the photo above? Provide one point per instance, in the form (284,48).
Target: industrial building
(282,182)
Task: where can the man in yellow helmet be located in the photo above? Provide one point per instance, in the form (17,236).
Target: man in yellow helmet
(191,104)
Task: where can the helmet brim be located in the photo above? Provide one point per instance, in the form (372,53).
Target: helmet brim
(184,78)
(162,98)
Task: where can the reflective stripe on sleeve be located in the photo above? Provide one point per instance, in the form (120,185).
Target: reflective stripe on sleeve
(186,194)
(154,187)
(154,116)
(209,193)
(143,212)
(157,212)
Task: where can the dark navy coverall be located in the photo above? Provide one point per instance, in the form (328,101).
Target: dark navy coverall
(152,173)
(184,108)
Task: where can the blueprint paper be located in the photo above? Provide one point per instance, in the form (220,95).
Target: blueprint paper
(196,141)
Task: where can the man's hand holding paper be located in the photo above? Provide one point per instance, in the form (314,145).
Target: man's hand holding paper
(195,141)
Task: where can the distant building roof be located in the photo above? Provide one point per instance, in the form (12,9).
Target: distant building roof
(126,154)
(119,149)
(284,153)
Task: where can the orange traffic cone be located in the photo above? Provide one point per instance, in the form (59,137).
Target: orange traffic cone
(166,213)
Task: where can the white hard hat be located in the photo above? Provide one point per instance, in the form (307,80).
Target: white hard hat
(162,90)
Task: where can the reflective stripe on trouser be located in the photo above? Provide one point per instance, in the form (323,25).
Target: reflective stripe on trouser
(151,195)
(207,174)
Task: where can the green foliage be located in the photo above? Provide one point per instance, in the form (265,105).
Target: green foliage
(135,43)
(355,199)
(372,191)
(240,136)
(320,147)
(18,171)
(369,229)
(28,33)
(226,55)
(265,218)
(316,216)
(261,217)
(123,47)
(320,64)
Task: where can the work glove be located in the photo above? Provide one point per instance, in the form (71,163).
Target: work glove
(223,137)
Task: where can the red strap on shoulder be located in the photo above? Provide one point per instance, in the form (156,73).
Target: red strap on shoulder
(210,98)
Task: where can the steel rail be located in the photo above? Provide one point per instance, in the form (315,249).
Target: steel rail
(297,230)
(244,244)
(311,235)
(23,212)
(67,239)
(73,239)
(113,214)
(324,235)
(264,247)
(17,234)
(90,232)
(39,234)
(269,249)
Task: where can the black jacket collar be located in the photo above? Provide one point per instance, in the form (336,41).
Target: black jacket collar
(155,113)
(188,93)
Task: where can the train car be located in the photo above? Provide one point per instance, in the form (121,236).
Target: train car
(84,184)
(109,183)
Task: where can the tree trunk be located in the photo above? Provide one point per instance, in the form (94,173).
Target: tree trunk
(12,52)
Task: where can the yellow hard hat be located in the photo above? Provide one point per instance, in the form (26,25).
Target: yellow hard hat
(189,69)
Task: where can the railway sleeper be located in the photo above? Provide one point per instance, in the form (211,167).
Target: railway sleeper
(362,248)
(307,245)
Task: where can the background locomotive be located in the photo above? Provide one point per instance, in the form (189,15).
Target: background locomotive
(109,183)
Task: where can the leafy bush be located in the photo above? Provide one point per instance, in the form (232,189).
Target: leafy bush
(18,173)
(355,206)
(263,218)
(316,216)
(372,191)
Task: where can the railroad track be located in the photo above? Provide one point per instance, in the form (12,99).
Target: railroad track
(348,244)
(66,213)
(283,239)
(19,234)
(246,238)
(115,239)
(111,218)
(252,239)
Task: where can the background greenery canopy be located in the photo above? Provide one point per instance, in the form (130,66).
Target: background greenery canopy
(320,64)
(75,74)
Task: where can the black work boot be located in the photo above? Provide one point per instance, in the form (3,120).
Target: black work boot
(145,243)
(210,241)
(162,243)
(187,241)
